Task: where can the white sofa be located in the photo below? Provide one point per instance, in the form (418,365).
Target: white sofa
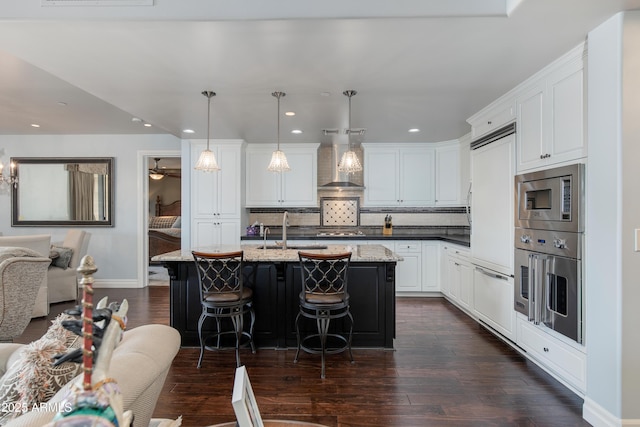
(40,243)
(63,283)
(139,364)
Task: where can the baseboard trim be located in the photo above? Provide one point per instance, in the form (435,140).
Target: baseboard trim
(597,416)
(116,283)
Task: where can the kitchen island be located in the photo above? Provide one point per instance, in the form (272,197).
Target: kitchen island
(274,276)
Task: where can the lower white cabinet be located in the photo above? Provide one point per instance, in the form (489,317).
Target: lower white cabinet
(208,232)
(457,279)
(408,271)
(430,266)
(493,301)
(567,362)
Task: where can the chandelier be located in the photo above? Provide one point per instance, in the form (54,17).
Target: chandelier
(349,162)
(13,176)
(207,160)
(278,159)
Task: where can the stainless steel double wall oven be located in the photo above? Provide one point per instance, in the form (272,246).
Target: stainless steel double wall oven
(549,228)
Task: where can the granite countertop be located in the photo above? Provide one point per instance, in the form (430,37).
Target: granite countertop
(398,234)
(255,253)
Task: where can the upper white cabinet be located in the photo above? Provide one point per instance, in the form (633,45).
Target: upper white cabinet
(448,174)
(216,197)
(399,175)
(493,117)
(217,194)
(550,114)
(295,188)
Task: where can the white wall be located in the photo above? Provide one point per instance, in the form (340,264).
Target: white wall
(115,249)
(612,267)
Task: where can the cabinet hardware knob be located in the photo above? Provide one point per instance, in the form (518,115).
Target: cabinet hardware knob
(489,122)
(546,349)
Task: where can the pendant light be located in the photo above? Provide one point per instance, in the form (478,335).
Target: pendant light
(349,162)
(278,159)
(207,160)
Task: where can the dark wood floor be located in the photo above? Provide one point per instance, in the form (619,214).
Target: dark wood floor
(446,371)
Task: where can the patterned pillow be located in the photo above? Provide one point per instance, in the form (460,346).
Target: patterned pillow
(162,221)
(63,258)
(32,379)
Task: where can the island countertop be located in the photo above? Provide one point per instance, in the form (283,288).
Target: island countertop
(255,253)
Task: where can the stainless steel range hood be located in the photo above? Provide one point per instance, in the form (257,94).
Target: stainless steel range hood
(339,180)
(328,161)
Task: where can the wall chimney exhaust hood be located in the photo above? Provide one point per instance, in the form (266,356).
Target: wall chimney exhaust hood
(339,180)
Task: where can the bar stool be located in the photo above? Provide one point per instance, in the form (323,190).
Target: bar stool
(223,296)
(323,298)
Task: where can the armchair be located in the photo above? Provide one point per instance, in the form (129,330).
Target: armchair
(40,243)
(22,271)
(63,282)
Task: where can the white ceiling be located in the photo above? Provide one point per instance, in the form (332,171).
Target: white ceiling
(427,64)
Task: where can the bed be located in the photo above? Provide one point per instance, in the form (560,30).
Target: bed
(164,228)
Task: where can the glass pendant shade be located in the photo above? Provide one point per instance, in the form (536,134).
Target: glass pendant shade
(349,163)
(278,159)
(156,176)
(279,162)
(207,160)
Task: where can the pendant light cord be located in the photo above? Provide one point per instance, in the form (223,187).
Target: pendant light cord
(209,95)
(278,95)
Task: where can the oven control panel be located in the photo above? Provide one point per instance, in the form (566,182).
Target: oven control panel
(560,243)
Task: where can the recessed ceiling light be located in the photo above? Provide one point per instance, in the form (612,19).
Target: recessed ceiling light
(188,131)
(33,125)
(62,104)
(147,125)
(325,94)
(296,131)
(290,113)
(136,119)
(414,130)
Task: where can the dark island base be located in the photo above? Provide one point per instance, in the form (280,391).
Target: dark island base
(276,288)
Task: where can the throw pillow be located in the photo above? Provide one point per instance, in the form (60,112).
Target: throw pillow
(32,378)
(178,223)
(64,256)
(165,221)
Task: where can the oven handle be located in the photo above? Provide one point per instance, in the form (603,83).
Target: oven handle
(467,207)
(539,290)
(531,264)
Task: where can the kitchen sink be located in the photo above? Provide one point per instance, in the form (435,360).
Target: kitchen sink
(299,247)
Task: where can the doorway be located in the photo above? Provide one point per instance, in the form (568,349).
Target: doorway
(161,188)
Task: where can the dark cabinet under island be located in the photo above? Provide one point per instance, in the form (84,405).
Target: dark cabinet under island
(274,276)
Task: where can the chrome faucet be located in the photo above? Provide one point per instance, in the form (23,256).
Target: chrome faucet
(285,224)
(264,242)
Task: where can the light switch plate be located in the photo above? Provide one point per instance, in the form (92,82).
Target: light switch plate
(637,245)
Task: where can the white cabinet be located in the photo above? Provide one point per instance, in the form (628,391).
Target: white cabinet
(430,266)
(458,287)
(216,197)
(550,115)
(567,362)
(408,271)
(493,117)
(296,188)
(493,301)
(217,194)
(447,178)
(208,232)
(492,169)
(402,175)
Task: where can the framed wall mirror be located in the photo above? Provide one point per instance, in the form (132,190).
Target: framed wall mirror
(62,192)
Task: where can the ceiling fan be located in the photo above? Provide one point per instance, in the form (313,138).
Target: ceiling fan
(157,174)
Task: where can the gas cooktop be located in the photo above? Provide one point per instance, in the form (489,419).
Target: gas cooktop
(340,233)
